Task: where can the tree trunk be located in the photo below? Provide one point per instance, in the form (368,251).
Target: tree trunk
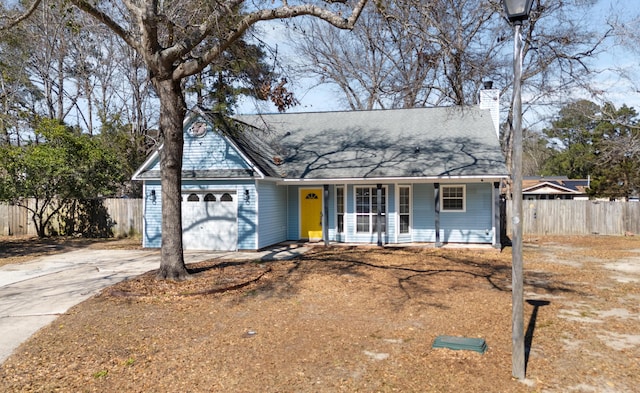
(172,113)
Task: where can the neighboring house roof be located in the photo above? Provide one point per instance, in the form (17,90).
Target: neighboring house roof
(554,185)
(432,143)
(415,143)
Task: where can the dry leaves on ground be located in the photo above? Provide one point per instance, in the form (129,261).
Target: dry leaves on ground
(353,319)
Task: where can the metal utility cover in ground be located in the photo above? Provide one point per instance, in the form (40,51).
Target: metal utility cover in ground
(460,343)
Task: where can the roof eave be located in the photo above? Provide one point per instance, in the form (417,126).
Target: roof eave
(424,179)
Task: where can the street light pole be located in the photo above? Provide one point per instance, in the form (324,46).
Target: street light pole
(517,11)
(517,290)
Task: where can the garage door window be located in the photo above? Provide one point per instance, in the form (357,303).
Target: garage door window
(226,197)
(209,198)
(193,198)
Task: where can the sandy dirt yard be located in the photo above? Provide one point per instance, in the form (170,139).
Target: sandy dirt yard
(353,319)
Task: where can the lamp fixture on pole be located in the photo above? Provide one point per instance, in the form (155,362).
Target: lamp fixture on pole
(517,11)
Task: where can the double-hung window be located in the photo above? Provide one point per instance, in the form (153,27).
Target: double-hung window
(452,198)
(404,208)
(340,209)
(367,209)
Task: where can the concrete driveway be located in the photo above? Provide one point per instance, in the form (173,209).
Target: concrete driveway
(33,294)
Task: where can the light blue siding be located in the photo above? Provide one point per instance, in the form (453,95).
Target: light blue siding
(152,216)
(247,217)
(423,220)
(272,213)
(293,216)
(472,226)
(210,151)
(247,230)
(476,223)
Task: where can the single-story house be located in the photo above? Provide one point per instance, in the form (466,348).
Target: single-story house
(423,175)
(554,187)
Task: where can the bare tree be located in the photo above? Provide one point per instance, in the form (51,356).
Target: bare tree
(408,53)
(50,41)
(62,53)
(625,18)
(360,64)
(560,47)
(16,90)
(178,39)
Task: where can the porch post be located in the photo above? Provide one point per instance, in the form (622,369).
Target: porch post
(379,215)
(497,219)
(436,196)
(325,215)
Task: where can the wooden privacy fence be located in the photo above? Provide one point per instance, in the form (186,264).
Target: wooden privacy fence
(124,214)
(572,217)
(540,217)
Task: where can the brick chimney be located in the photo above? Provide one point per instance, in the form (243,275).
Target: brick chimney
(490,99)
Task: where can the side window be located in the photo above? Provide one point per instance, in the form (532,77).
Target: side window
(404,209)
(340,208)
(452,198)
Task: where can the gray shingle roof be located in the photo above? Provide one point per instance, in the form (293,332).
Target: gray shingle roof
(420,142)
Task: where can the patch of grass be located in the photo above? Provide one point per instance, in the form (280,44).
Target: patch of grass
(544,324)
(100,374)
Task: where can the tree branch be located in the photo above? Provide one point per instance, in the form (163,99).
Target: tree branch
(186,45)
(196,65)
(90,9)
(22,17)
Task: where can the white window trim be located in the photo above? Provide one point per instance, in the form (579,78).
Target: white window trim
(464,198)
(356,214)
(398,187)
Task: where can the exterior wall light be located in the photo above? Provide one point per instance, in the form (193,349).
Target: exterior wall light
(152,196)
(247,197)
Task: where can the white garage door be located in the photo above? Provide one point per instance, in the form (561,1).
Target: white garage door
(209,220)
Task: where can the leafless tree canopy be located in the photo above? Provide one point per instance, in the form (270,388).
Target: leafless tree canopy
(176,39)
(407,53)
